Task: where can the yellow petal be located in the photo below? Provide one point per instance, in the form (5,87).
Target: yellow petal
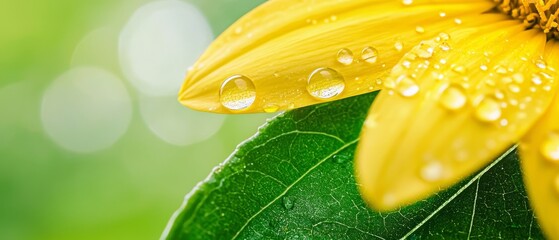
(452,107)
(540,160)
(267,57)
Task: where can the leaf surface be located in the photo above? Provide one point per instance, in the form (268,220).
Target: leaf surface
(294,180)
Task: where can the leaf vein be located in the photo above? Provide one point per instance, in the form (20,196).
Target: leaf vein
(291,185)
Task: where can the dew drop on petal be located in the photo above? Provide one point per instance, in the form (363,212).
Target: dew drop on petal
(325,83)
(445,46)
(425,50)
(540,64)
(399,46)
(407,2)
(369,54)
(453,97)
(345,56)
(432,172)
(271,108)
(444,36)
(237,93)
(488,110)
(407,87)
(550,147)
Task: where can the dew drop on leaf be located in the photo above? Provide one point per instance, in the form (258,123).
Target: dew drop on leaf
(288,202)
(340,158)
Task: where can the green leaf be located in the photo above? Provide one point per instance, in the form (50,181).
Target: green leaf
(294,180)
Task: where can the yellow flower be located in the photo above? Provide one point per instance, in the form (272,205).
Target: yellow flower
(463,80)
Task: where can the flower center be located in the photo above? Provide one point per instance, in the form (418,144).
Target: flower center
(542,14)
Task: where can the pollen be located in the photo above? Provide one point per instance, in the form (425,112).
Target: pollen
(541,14)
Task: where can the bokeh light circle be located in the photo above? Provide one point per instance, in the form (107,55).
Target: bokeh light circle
(86,109)
(158,44)
(176,124)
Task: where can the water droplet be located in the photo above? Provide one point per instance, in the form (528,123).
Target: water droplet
(325,83)
(453,97)
(419,29)
(340,158)
(444,36)
(288,203)
(550,147)
(514,88)
(237,93)
(445,46)
(291,106)
(425,50)
(399,46)
(432,172)
(458,21)
(442,14)
(407,2)
(504,122)
(540,64)
(500,70)
(536,79)
(488,110)
(369,54)
(238,30)
(518,78)
(271,108)
(407,87)
(345,56)
(459,69)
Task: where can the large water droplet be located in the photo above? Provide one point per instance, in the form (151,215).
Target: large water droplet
(488,110)
(237,93)
(369,54)
(453,97)
(550,147)
(288,202)
(325,83)
(345,56)
(407,87)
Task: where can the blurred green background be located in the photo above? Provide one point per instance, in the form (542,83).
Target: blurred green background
(93,144)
